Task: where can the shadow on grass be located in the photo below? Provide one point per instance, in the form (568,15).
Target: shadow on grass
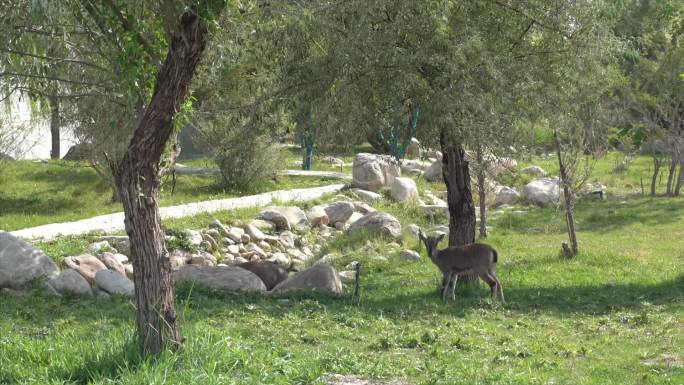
(100,366)
(598,299)
(36,205)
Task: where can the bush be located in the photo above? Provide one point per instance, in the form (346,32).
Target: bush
(245,159)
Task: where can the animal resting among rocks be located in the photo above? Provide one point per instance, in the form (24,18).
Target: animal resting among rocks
(453,261)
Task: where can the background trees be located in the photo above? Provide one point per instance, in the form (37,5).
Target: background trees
(652,64)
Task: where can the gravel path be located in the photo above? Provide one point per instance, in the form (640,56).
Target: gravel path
(115,222)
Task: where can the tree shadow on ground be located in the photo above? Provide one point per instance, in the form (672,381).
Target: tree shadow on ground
(34,205)
(590,299)
(99,366)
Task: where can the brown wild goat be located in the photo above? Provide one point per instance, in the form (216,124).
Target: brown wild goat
(476,258)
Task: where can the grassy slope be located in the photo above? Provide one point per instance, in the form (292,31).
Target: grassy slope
(33,194)
(614,315)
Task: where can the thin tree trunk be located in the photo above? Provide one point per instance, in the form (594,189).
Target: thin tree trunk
(54,127)
(672,172)
(569,199)
(456,174)
(481,191)
(680,179)
(138,180)
(656,170)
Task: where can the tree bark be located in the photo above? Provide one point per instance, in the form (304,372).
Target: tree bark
(657,162)
(456,174)
(138,182)
(672,172)
(54,127)
(481,191)
(680,179)
(569,199)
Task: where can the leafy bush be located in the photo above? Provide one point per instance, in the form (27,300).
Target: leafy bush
(245,159)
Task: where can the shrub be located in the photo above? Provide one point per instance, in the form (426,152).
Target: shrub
(245,159)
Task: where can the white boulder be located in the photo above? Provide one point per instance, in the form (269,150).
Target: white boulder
(21,262)
(542,191)
(404,190)
(374,172)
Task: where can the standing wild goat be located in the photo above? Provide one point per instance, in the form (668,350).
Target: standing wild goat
(453,261)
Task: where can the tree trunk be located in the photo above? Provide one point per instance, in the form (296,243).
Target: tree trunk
(569,199)
(456,174)
(54,127)
(680,179)
(482,193)
(657,162)
(672,172)
(307,143)
(138,181)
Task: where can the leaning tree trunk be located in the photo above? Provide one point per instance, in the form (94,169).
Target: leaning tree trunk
(54,127)
(138,180)
(456,174)
(569,202)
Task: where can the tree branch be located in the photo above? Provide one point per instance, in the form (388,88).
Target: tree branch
(50,58)
(70,81)
(128,26)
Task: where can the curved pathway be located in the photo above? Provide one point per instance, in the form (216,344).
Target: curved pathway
(115,222)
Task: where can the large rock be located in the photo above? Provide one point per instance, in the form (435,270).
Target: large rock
(434,172)
(194,237)
(71,281)
(179,258)
(235,234)
(114,283)
(231,278)
(21,262)
(533,170)
(87,265)
(285,218)
(408,166)
(404,190)
(113,263)
(339,211)
(203,259)
(542,191)
(270,273)
(254,233)
(353,218)
(317,216)
(378,223)
(410,255)
(506,196)
(374,172)
(366,195)
(319,277)
(120,242)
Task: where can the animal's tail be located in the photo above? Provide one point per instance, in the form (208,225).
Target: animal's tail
(496,256)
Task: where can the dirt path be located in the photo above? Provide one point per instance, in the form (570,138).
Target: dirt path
(115,222)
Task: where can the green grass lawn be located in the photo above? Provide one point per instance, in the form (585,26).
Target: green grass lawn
(613,315)
(33,194)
